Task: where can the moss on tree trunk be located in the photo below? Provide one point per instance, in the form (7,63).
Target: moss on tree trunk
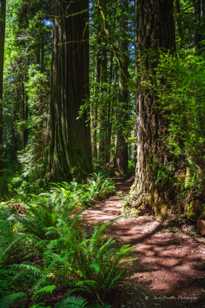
(156,32)
(2,39)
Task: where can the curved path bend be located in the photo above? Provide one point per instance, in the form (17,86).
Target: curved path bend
(170,259)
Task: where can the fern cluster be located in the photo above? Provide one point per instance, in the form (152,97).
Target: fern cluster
(98,186)
(48,256)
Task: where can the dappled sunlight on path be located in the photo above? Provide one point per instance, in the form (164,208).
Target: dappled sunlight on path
(169,262)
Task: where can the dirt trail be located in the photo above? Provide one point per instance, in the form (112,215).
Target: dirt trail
(170,260)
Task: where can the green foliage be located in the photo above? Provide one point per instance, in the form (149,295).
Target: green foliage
(181,105)
(26,87)
(78,302)
(88,263)
(33,157)
(72,302)
(13,298)
(97,187)
(45,247)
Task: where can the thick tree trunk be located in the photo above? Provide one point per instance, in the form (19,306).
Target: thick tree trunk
(2,39)
(103,107)
(121,158)
(156,32)
(70,150)
(102,79)
(94,126)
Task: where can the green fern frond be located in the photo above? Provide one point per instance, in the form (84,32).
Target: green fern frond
(47,290)
(32,269)
(72,302)
(11,299)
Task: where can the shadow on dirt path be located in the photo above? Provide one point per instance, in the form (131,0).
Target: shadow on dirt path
(169,262)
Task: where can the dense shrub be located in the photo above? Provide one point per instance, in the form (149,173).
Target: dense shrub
(181,104)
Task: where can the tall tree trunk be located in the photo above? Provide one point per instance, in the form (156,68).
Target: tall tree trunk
(70,150)
(102,110)
(121,159)
(2,39)
(102,81)
(156,32)
(94,124)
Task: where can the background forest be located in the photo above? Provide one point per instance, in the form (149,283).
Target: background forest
(91,91)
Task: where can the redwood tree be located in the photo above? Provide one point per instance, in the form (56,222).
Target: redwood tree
(102,80)
(2,39)
(155,33)
(121,158)
(70,145)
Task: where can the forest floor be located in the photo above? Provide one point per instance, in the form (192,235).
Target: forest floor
(168,266)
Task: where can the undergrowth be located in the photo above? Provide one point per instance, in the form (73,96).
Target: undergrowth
(49,258)
(97,187)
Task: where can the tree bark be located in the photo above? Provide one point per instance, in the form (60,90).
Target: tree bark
(121,157)
(155,33)
(94,126)
(102,82)
(2,40)
(70,150)
(103,108)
